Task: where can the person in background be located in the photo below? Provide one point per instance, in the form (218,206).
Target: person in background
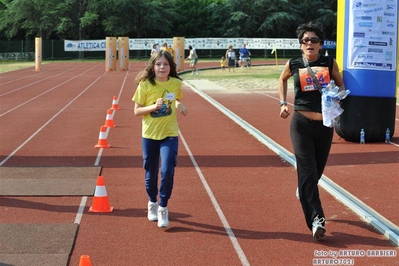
(223,63)
(164,47)
(244,54)
(171,51)
(231,58)
(158,100)
(154,49)
(167,48)
(194,60)
(311,140)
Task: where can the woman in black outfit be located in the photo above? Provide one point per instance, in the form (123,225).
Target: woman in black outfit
(311,140)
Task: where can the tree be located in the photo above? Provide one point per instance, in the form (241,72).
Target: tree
(35,17)
(72,19)
(88,19)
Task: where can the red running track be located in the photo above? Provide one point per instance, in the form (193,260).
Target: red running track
(234,199)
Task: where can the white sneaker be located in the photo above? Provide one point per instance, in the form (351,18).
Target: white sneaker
(196,73)
(163,217)
(318,230)
(152,211)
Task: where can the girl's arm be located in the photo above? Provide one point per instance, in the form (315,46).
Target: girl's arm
(144,110)
(182,109)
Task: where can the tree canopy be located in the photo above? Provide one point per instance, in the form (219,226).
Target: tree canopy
(87,19)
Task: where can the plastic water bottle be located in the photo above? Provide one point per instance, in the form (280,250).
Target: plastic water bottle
(330,85)
(387,136)
(362,136)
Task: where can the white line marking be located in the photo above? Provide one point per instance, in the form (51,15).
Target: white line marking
(368,214)
(82,205)
(215,204)
(79,214)
(40,93)
(30,84)
(48,122)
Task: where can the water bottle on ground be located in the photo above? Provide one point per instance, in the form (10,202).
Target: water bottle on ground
(362,136)
(387,136)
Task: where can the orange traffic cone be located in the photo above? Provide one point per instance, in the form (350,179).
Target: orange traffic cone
(84,261)
(102,139)
(115,104)
(109,120)
(100,200)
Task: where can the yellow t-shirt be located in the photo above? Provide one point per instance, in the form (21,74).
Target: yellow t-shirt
(163,123)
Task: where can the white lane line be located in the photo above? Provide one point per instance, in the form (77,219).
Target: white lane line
(83,201)
(16,107)
(79,214)
(29,76)
(215,204)
(368,214)
(48,122)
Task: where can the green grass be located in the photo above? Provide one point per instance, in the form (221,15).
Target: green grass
(255,72)
(10,66)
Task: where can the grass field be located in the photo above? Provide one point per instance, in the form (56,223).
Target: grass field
(265,75)
(10,66)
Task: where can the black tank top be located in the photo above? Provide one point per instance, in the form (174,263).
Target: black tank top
(307,96)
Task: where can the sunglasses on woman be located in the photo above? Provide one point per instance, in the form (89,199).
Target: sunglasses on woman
(312,40)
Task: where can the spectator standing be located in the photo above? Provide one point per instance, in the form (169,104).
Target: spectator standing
(223,63)
(244,54)
(231,58)
(154,49)
(194,60)
(171,51)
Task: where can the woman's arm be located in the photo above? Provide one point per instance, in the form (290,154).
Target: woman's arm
(282,90)
(336,76)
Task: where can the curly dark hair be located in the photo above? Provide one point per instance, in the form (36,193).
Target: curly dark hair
(311,26)
(149,74)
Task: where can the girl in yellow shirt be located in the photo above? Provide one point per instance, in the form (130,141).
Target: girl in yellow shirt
(158,99)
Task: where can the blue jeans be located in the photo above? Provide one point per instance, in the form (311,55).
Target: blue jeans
(153,150)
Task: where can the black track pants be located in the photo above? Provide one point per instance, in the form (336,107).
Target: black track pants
(311,141)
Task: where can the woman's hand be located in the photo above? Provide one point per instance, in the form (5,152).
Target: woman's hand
(284,111)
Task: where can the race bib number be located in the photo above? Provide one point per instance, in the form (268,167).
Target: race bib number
(322,74)
(170,96)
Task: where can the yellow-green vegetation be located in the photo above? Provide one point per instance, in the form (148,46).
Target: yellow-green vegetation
(254,78)
(10,66)
(254,72)
(257,74)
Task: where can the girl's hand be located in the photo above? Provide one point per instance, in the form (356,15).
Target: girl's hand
(159,103)
(182,109)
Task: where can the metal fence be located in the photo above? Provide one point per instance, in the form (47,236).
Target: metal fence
(24,50)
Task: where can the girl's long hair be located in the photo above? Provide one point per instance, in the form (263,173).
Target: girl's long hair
(149,74)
